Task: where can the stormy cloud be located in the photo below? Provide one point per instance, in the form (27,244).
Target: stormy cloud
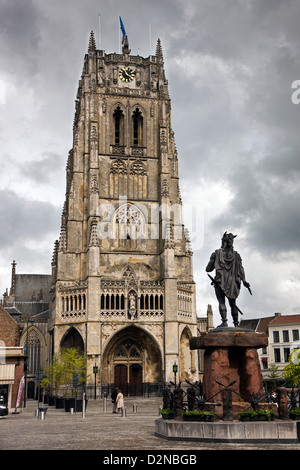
(230,67)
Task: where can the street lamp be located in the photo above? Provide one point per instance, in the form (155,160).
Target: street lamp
(175,370)
(29,320)
(95,371)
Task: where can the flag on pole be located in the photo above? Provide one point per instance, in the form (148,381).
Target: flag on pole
(122,29)
(21,384)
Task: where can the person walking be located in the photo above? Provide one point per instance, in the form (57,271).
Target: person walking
(119,400)
(114,400)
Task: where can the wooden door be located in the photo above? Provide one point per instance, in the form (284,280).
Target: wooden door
(121,377)
(135,379)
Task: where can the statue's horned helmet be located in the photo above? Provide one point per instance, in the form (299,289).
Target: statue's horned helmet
(228,236)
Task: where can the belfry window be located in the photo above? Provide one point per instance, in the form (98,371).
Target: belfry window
(118,117)
(137,119)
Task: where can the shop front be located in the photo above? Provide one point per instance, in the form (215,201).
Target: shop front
(11,372)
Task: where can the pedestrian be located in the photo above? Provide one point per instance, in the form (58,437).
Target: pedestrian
(274,398)
(119,400)
(114,400)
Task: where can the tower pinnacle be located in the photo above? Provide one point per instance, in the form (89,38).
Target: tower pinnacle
(159,49)
(92,43)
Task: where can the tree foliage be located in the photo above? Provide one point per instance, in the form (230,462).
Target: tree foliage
(64,364)
(292,370)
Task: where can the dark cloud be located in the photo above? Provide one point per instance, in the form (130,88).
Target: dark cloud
(46,170)
(230,65)
(20,36)
(24,221)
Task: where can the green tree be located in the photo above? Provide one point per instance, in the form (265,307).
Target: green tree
(292,370)
(274,375)
(74,363)
(60,372)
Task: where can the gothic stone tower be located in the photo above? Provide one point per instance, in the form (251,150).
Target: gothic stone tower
(122,277)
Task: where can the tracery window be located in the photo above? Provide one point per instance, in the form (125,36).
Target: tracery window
(118,178)
(129,224)
(138,180)
(128,350)
(118,118)
(137,122)
(32,350)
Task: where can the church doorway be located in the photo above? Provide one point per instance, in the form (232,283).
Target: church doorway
(30,390)
(130,360)
(136,379)
(129,379)
(121,377)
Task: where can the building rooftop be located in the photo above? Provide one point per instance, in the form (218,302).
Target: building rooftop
(260,325)
(285,320)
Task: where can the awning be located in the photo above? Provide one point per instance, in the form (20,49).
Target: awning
(7,374)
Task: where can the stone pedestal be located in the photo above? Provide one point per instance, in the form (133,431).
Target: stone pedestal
(231,356)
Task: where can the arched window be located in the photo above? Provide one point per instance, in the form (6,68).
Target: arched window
(118,179)
(122,301)
(32,350)
(72,339)
(137,121)
(137,187)
(118,118)
(129,224)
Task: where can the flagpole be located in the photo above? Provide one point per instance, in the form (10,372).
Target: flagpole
(99,32)
(119,38)
(150,38)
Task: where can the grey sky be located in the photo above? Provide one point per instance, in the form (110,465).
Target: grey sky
(230,66)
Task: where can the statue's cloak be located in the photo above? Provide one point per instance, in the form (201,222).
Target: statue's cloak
(229,272)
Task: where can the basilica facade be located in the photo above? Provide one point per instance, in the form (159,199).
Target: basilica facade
(122,276)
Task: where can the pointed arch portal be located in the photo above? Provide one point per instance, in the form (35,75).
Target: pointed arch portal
(72,339)
(131,358)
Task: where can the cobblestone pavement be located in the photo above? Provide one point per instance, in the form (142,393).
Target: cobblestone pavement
(100,430)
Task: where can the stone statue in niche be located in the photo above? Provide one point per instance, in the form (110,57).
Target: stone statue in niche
(229,273)
(132,306)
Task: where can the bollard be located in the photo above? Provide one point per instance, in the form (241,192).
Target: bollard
(83,405)
(123,411)
(104,404)
(71,411)
(134,408)
(37,412)
(42,414)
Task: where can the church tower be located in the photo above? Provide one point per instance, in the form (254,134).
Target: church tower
(122,275)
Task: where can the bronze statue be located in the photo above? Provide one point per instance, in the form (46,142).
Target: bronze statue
(229,275)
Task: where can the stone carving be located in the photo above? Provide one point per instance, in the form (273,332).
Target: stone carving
(132,306)
(108,331)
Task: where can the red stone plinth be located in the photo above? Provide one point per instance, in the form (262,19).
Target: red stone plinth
(231,355)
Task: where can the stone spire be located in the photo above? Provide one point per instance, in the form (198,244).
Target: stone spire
(13,278)
(159,49)
(92,43)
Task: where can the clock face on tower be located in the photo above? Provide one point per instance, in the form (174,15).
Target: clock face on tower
(126,74)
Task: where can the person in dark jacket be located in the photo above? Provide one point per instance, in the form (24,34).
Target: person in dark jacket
(114,400)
